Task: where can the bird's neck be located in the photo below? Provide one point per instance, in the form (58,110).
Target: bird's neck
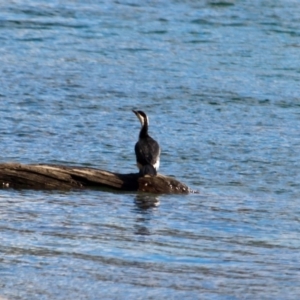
(144,131)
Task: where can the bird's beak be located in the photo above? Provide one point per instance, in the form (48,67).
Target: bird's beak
(139,116)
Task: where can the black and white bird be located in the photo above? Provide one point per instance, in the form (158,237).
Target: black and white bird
(147,150)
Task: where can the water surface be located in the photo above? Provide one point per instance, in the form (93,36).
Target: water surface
(219,81)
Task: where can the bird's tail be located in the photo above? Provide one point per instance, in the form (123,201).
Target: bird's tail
(148,170)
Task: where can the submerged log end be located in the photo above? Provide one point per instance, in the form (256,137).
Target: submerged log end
(20,176)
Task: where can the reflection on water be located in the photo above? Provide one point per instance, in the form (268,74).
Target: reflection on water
(140,229)
(146,201)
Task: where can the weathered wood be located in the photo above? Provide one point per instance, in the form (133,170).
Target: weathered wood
(42,176)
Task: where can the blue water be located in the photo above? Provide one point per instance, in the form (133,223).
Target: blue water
(220,81)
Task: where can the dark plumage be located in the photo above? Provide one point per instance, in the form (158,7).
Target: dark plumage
(147,150)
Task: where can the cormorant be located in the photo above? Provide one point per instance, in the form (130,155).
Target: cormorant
(147,150)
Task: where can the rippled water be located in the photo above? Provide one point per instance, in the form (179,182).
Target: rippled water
(220,82)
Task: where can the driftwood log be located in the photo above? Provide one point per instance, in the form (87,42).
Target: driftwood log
(42,176)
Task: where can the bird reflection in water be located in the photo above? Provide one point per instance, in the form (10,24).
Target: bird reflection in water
(145,204)
(146,201)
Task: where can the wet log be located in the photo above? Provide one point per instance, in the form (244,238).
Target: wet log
(44,176)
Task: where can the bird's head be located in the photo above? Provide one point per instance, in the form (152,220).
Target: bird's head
(142,117)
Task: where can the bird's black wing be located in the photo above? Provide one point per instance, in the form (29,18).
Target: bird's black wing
(147,151)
